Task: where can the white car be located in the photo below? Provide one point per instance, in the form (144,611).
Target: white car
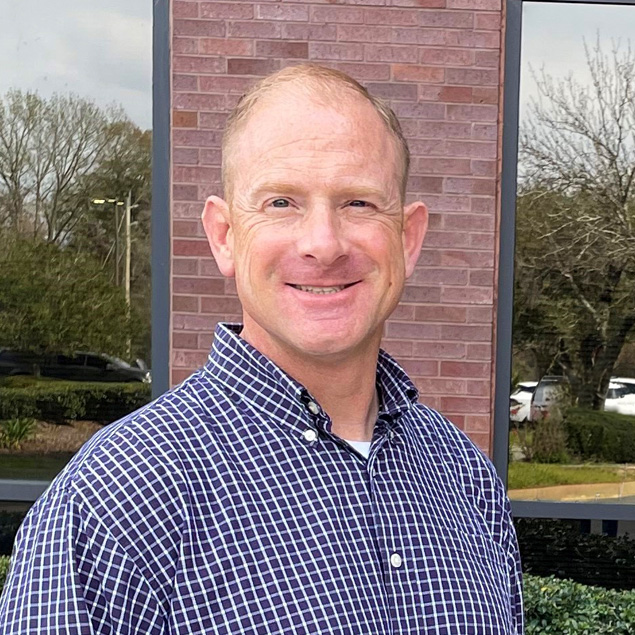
(620,396)
(520,400)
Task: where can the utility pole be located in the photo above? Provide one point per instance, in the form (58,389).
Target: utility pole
(128,247)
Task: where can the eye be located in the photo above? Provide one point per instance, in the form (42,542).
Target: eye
(279,202)
(358,203)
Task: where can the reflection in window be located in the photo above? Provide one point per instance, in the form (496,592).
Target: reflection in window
(75,145)
(572,433)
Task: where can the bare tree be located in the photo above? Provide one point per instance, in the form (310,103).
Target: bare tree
(47,148)
(576,235)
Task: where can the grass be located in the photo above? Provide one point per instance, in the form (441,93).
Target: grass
(525,475)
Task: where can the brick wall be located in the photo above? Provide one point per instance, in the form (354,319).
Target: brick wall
(437,62)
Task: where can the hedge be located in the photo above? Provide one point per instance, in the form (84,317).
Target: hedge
(558,547)
(58,402)
(599,435)
(554,606)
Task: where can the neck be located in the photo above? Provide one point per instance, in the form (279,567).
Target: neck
(344,386)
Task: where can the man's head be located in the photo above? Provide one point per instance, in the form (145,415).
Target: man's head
(314,228)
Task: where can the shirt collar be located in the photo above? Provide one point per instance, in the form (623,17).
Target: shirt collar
(255,378)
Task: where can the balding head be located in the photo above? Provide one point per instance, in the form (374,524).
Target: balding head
(324,85)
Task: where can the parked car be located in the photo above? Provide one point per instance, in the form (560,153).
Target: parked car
(79,366)
(551,390)
(620,397)
(520,400)
(627,382)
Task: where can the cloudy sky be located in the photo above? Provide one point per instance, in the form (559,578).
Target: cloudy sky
(101,49)
(553,37)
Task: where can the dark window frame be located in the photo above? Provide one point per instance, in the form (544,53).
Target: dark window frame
(505,307)
(29,491)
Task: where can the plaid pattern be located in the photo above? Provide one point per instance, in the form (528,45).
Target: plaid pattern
(227,506)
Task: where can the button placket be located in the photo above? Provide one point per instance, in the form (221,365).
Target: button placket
(396,560)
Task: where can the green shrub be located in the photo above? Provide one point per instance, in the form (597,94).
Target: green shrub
(598,435)
(563,607)
(59,402)
(14,431)
(4,569)
(549,439)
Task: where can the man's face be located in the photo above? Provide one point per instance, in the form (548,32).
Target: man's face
(315,231)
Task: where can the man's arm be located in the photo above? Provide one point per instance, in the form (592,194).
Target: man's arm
(69,575)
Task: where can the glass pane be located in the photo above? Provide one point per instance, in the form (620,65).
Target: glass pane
(572,405)
(75,145)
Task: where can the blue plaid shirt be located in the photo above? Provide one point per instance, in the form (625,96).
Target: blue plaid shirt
(228,506)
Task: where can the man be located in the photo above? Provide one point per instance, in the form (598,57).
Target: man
(294,484)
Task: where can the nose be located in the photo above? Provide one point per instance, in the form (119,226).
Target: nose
(322,236)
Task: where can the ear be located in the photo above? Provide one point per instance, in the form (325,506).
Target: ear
(415,225)
(217,225)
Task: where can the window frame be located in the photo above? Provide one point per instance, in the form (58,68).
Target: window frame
(505,305)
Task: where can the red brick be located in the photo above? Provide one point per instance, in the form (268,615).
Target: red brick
(442,166)
(178,375)
(393,90)
(479,351)
(472,149)
(184,82)
(221,305)
(209,268)
(451,94)
(184,267)
(185,303)
(200,286)
(484,168)
(388,53)
(419,109)
(253,66)
(184,9)
(482,440)
(486,5)
(205,339)
(181,209)
(212,120)
(411,72)
(191,64)
(489,58)
(339,15)
(363,72)
(466,332)
(347,33)
(484,132)
(442,386)
(488,21)
(482,314)
(323,32)
(444,130)
(195,174)
(472,76)
(396,17)
(458,185)
(466,370)
(430,184)
(199,28)
(282,49)
(434,275)
(467,295)
(184,119)
(189,359)
(482,241)
(404,312)
(335,51)
(413,331)
(483,205)
(468,222)
(424,37)
(398,348)
(447,203)
(441,313)
(485,95)
(475,39)
(472,113)
(210,156)
(223,46)
(184,192)
(447,56)
(478,423)
(430,4)
(254,29)
(231,85)
(227,10)
(199,101)
(187,228)
(185,340)
(439,239)
(185,45)
(421,294)
(466,405)
(290,12)
(190,247)
(420,368)
(439,350)
(447,19)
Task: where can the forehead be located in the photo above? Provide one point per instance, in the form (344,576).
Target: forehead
(294,134)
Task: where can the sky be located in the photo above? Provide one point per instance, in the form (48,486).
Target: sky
(553,35)
(99,49)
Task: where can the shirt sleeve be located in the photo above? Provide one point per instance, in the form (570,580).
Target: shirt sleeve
(515,576)
(69,575)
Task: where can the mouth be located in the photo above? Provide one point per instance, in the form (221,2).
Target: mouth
(322,290)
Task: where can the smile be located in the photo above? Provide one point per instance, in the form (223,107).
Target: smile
(322,290)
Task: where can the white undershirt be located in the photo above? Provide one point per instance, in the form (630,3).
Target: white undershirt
(363,447)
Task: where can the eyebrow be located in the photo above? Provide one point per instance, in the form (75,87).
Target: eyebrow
(353,192)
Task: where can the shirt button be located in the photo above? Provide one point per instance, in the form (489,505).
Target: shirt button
(309,435)
(396,560)
(313,407)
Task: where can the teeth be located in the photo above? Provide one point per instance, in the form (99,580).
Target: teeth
(320,290)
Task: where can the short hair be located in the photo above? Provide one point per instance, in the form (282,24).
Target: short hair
(326,81)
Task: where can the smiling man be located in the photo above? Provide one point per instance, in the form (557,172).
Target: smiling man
(295,484)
